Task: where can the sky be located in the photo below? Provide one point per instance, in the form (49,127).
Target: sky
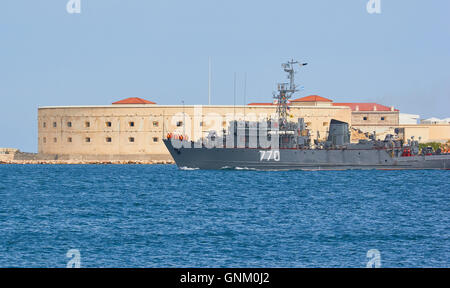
(159,49)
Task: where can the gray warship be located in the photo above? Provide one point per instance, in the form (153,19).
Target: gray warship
(279,144)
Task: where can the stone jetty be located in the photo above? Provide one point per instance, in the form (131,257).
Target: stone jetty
(92,162)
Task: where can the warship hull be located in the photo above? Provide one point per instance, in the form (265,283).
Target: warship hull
(299,159)
(295,147)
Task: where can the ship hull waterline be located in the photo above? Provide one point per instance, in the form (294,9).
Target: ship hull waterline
(298,159)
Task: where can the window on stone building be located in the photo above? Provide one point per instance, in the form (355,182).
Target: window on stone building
(55,140)
(108,124)
(155,139)
(54,124)
(108,139)
(155,123)
(69,124)
(44,139)
(69,139)
(87,139)
(131,124)
(179,123)
(382,118)
(131,139)
(87,124)
(365,118)
(44,124)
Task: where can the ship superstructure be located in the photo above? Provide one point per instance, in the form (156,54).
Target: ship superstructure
(281,144)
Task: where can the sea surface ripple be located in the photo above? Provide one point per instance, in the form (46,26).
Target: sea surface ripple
(161,216)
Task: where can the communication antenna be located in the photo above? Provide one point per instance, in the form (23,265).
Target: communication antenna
(234,101)
(286,90)
(184,121)
(245,92)
(209,80)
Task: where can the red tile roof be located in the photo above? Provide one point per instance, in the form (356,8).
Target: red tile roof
(312,98)
(353,106)
(365,106)
(134,100)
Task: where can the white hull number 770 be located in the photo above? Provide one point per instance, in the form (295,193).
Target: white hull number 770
(269,155)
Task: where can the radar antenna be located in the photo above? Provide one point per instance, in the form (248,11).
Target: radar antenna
(286,91)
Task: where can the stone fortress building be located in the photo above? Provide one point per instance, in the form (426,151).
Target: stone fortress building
(133,128)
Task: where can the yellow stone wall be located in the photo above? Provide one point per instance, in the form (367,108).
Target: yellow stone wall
(428,132)
(372,121)
(7,153)
(374,118)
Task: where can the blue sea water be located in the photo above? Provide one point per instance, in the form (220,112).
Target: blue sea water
(160,216)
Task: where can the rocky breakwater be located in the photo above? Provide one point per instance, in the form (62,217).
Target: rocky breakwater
(92,162)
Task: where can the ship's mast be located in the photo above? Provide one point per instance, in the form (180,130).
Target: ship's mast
(285,91)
